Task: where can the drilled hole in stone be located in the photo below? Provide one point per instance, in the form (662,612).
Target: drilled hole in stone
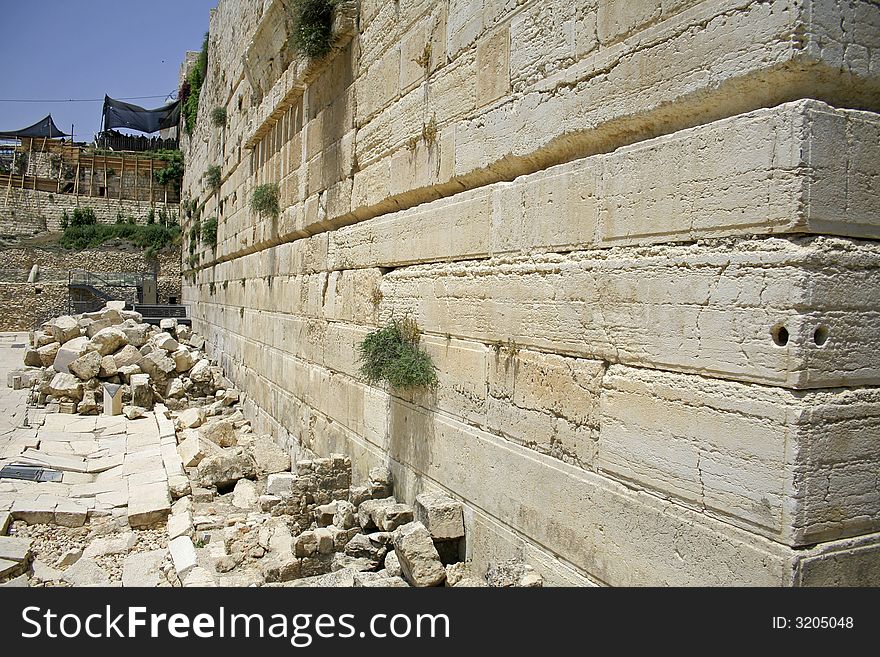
(820,335)
(780,335)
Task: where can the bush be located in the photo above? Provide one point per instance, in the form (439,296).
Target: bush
(265,200)
(151,216)
(218,117)
(209,231)
(213,176)
(192,88)
(65,220)
(172,174)
(153,236)
(312,26)
(83,217)
(393,354)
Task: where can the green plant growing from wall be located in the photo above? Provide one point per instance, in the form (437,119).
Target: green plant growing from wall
(218,117)
(312,33)
(65,220)
(265,200)
(213,177)
(151,216)
(393,354)
(191,89)
(209,232)
(83,217)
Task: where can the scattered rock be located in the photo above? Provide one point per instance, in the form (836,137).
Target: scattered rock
(86,572)
(513,573)
(244,496)
(225,469)
(268,456)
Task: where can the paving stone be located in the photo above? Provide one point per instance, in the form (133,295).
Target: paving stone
(70,514)
(180,524)
(45,572)
(142,569)
(34,512)
(19,582)
(148,504)
(198,577)
(183,554)
(86,572)
(15,549)
(5,520)
(102,546)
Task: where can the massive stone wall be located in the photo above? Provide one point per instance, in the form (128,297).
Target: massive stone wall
(638,237)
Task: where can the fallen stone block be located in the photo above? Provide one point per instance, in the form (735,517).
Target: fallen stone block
(390,517)
(66,385)
(64,328)
(9,568)
(367,511)
(87,366)
(86,572)
(220,433)
(191,418)
(108,340)
(34,512)
(5,521)
(15,549)
(126,357)
(345,516)
(148,504)
(46,573)
(418,557)
(268,456)
(325,513)
(385,582)
(103,546)
(183,555)
(364,547)
(392,564)
(180,525)
(280,484)
(166,342)
(141,392)
(305,545)
(198,577)
(179,486)
(70,514)
(223,470)
(441,515)
(244,495)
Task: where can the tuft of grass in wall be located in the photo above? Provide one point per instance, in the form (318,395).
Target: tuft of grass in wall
(393,354)
(151,216)
(213,176)
(264,200)
(312,33)
(209,232)
(218,117)
(65,220)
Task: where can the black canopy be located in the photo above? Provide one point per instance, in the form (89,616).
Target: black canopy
(124,115)
(44,128)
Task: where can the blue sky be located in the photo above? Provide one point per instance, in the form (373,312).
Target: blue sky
(82,49)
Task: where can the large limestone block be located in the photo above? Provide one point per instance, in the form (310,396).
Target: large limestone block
(64,329)
(66,385)
(419,562)
(441,515)
(798,468)
(128,355)
(790,312)
(69,352)
(86,366)
(108,340)
(611,532)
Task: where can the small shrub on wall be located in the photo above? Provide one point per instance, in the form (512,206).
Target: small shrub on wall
(313,26)
(213,177)
(218,117)
(209,231)
(265,200)
(393,354)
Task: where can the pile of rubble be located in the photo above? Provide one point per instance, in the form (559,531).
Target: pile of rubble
(73,357)
(312,527)
(235,511)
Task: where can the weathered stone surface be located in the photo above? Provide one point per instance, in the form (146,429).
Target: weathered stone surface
(148,503)
(392,565)
(513,573)
(142,569)
(225,469)
(32,358)
(166,342)
(66,385)
(269,457)
(102,546)
(128,355)
(15,549)
(134,412)
(86,366)
(64,328)
(201,372)
(221,432)
(345,516)
(280,484)
(441,515)
(183,554)
(418,558)
(48,354)
(183,359)
(367,511)
(180,524)
(306,544)
(390,517)
(108,341)
(141,392)
(86,572)
(245,494)
(108,367)
(191,418)
(158,365)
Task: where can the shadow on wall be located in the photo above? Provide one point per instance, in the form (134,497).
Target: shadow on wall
(411,436)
